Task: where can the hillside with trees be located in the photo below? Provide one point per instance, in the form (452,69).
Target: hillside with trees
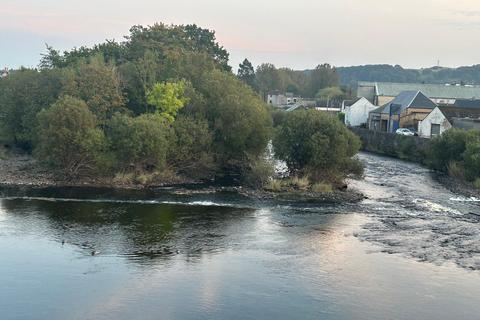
(349,76)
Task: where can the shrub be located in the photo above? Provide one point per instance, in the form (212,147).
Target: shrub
(448,147)
(140,142)
(192,147)
(68,137)
(317,144)
(259,172)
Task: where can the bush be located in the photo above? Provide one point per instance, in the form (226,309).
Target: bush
(238,118)
(192,148)
(140,142)
(316,144)
(68,138)
(259,173)
(456,152)
(447,148)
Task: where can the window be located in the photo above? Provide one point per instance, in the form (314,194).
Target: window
(435,130)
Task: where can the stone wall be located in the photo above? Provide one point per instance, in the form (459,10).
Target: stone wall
(394,145)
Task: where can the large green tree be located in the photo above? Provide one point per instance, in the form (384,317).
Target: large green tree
(68,138)
(317,145)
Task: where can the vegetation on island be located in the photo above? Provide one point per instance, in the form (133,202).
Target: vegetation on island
(164,106)
(318,149)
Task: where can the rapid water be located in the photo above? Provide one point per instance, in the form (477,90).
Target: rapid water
(409,251)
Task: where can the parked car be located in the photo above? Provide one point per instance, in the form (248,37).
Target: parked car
(405,132)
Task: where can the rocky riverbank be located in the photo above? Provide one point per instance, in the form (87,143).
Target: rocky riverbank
(19,171)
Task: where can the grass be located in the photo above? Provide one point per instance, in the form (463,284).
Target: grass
(322,187)
(299,183)
(476,183)
(456,170)
(274,185)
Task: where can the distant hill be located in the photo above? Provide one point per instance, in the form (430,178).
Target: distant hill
(349,76)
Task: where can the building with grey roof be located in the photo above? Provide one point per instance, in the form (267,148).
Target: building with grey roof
(380,93)
(406,110)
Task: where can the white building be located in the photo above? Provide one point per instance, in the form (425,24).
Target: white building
(434,124)
(356,112)
(442,119)
(282,99)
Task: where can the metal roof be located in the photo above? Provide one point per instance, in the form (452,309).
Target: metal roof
(440,91)
(408,99)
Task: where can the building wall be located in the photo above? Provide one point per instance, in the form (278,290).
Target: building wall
(357,114)
(412,116)
(435,117)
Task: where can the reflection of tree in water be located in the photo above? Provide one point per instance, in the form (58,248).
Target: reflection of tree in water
(135,231)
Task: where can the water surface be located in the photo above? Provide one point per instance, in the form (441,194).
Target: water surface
(410,251)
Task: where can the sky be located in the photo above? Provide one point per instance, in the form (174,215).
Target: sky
(297,34)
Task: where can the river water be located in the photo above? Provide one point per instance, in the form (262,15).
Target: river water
(409,251)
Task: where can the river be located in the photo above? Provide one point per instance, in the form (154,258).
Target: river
(409,251)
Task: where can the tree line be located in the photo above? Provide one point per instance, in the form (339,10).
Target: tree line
(160,105)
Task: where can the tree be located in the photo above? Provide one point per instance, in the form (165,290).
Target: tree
(322,76)
(68,138)
(23,94)
(238,118)
(330,93)
(168,98)
(317,145)
(246,73)
(141,142)
(192,151)
(98,84)
(268,78)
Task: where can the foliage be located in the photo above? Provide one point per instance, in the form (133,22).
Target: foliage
(191,152)
(447,148)
(317,145)
(23,94)
(304,83)
(98,84)
(246,73)
(68,137)
(168,98)
(456,152)
(260,172)
(239,120)
(141,142)
(329,93)
(162,99)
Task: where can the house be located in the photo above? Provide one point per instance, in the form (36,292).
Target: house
(381,93)
(443,118)
(405,111)
(356,111)
(282,99)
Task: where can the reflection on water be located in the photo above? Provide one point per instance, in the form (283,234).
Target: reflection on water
(151,256)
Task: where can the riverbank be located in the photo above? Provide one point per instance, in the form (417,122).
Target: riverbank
(411,149)
(20,172)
